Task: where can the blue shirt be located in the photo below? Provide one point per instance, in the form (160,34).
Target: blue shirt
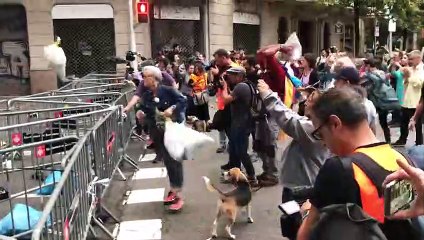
(168,96)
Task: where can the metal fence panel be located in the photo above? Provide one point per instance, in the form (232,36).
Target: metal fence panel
(67,132)
(246,37)
(87,44)
(166,33)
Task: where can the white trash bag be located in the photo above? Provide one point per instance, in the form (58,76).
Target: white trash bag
(181,141)
(57,58)
(293,41)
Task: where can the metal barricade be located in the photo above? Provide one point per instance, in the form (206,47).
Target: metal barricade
(113,87)
(101,158)
(68,212)
(21,127)
(81,130)
(87,82)
(106,99)
(97,98)
(27,181)
(101,147)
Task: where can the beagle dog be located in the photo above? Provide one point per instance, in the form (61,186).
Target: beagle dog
(198,125)
(230,202)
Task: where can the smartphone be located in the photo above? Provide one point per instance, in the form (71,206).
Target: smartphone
(398,195)
(289,208)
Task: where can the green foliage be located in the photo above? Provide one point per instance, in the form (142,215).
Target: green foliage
(408,13)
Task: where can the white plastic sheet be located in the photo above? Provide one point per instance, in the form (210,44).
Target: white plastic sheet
(181,141)
(294,43)
(57,58)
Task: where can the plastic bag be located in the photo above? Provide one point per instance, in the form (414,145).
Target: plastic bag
(180,141)
(294,43)
(51,179)
(21,213)
(57,58)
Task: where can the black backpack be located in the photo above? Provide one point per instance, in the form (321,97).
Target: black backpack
(350,222)
(381,94)
(257,106)
(347,222)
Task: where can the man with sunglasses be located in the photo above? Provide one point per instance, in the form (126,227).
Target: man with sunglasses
(357,173)
(304,156)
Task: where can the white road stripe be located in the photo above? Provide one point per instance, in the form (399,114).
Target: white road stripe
(147,157)
(146,195)
(149,173)
(141,230)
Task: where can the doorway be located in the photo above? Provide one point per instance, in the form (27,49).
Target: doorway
(327,36)
(306,32)
(14,51)
(87,43)
(282,30)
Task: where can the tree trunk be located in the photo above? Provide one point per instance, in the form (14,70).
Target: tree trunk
(356,13)
(405,38)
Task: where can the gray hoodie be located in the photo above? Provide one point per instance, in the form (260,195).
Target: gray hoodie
(304,155)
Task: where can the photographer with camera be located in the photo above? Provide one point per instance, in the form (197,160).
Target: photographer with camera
(218,67)
(240,101)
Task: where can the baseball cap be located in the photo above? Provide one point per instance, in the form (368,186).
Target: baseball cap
(236,70)
(349,74)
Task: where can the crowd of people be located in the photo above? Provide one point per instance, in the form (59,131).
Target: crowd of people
(332,120)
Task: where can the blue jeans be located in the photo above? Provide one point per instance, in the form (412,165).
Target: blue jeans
(238,145)
(222,138)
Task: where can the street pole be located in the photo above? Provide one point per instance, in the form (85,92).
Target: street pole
(206,28)
(133,47)
(390,43)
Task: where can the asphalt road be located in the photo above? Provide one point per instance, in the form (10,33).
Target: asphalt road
(195,220)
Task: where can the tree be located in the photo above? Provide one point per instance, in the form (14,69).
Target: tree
(406,12)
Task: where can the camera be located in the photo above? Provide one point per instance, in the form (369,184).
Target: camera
(130,56)
(211,65)
(291,219)
(215,85)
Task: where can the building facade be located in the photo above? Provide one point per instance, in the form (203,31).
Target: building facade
(93,30)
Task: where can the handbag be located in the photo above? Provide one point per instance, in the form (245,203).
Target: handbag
(201,98)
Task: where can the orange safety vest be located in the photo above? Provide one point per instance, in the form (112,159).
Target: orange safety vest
(370,175)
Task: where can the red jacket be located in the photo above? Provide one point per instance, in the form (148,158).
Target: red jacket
(274,74)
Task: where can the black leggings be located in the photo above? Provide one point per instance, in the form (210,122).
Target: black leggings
(382,115)
(173,167)
(407,114)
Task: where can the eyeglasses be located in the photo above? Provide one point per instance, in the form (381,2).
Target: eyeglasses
(316,134)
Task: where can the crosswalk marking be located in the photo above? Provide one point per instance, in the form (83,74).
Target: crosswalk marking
(150,229)
(149,173)
(146,195)
(147,157)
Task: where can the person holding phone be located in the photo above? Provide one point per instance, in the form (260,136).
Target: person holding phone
(356,173)
(416,177)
